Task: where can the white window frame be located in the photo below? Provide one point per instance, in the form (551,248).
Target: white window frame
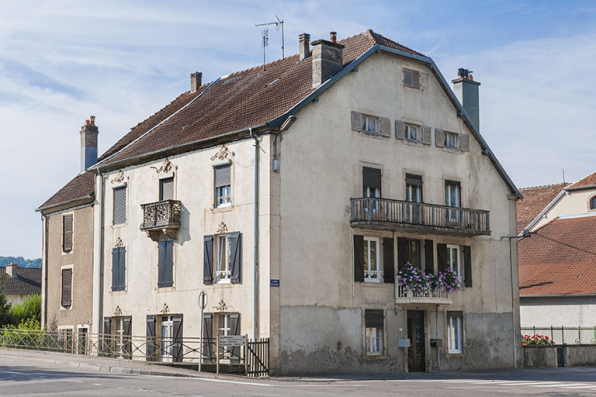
(372,275)
(224,331)
(456,267)
(223,271)
(410,136)
(410,189)
(166,342)
(454,333)
(374,337)
(370,124)
(223,196)
(451,138)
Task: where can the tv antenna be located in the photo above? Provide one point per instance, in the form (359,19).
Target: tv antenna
(278,24)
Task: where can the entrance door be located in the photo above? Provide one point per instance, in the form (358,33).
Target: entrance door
(416,353)
(167,332)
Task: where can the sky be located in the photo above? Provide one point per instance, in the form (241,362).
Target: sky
(121,61)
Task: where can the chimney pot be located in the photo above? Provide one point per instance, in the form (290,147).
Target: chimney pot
(333,37)
(196,80)
(89,133)
(304,44)
(11,270)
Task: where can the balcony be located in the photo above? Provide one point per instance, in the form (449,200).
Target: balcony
(386,214)
(434,297)
(161,218)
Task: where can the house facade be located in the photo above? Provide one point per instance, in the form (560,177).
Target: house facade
(293,195)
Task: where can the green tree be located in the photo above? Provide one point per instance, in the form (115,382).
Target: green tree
(5,306)
(28,309)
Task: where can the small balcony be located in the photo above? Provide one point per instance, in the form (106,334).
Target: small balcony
(162,217)
(431,296)
(386,214)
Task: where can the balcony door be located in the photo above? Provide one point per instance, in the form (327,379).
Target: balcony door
(453,200)
(166,189)
(413,211)
(371,184)
(416,351)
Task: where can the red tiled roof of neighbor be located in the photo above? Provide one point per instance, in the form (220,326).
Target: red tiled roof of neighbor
(560,259)
(590,180)
(535,200)
(238,101)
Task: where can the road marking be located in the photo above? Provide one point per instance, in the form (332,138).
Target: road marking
(97,384)
(16,373)
(71,380)
(582,387)
(214,380)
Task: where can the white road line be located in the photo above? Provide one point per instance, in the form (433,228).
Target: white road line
(572,385)
(97,384)
(71,380)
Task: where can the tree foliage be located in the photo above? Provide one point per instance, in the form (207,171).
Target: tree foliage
(5,306)
(19,260)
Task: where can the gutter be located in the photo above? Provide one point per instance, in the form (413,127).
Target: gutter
(66,204)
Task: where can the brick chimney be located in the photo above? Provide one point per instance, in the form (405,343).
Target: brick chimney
(88,144)
(11,270)
(196,80)
(304,44)
(327,59)
(466,91)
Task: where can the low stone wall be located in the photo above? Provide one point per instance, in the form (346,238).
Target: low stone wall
(540,356)
(580,355)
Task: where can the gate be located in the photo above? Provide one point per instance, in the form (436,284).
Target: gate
(257,357)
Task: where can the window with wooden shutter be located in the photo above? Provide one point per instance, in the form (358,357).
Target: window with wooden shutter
(356,121)
(385,126)
(151,345)
(119,216)
(118,269)
(400,129)
(166,264)
(411,78)
(429,264)
(208,260)
(223,185)
(67,233)
(66,288)
(235,256)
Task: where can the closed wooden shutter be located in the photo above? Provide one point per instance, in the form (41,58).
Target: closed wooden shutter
(426,135)
(67,233)
(464,142)
(223,175)
(235,330)
(178,340)
(208,260)
(385,126)
(115,270)
(408,77)
(388,261)
(371,178)
(166,189)
(107,344)
(374,318)
(150,354)
(161,265)
(400,129)
(208,337)
(415,79)
(66,287)
(467,253)
(119,206)
(356,121)
(442,254)
(429,265)
(439,137)
(358,258)
(121,268)
(235,257)
(169,272)
(126,336)
(402,253)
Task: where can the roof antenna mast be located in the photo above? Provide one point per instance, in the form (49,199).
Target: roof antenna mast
(278,24)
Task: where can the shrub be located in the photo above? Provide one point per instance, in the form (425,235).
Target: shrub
(529,340)
(30,308)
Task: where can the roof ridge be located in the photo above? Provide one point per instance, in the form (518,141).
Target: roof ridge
(373,36)
(545,186)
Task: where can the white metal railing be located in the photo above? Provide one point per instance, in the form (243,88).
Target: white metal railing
(373,276)
(222,276)
(407,295)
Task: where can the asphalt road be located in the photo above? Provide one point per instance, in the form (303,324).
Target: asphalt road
(30,378)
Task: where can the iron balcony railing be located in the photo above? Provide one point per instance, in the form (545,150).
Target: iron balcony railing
(438,296)
(398,214)
(162,214)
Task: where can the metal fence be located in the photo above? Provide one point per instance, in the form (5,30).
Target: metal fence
(564,335)
(255,357)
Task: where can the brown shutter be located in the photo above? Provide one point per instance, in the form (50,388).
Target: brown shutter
(400,129)
(408,77)
(402,253)
(429,265)
(235,257)
(358,258)
(208,260)
(464,142)
(127,325)
(67,233)
(177,341)
(66,287)
(356,121)
(442,254)
(151,338)
(467,251)
(373,318)
(426,135)
(388,261)
(207,337)
(385,126)
(439,137)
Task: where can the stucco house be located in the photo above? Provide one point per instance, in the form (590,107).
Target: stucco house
(293,194)
(557,258)
(18,283)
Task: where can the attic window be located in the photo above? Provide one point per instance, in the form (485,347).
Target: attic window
(411,78)
(273,82)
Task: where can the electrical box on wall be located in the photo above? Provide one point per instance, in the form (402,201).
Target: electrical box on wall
(436,343)
(403,343)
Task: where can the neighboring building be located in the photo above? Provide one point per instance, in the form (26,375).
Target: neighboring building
(349,163)
(557,259)
(18,283)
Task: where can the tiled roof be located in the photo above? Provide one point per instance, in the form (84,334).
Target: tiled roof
(237,101)
(28,281)
(590,180)
(535,200)
(560,259)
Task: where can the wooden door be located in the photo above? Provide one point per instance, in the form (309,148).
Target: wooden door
(416,351)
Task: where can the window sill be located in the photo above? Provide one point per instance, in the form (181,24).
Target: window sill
(65,308)
(67,252)
(372,281)
(374,357)
(376,135)
(120,225)
(223,284)
(119,289)
(223,208)
(451,150)
(454,354)
(166,289)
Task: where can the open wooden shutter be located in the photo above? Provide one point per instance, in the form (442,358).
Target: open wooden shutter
(121,268)
(385,126)
(356,121)
(388,261)
(426,135)
(235,330)
(151,337)
(208,260)
(126,336)
(208,337)
(66,287)
(402,253)
(178,340)
(115,269)
(400,129)
(464,142)
(107,336)
(439,137)
(235,258)
(161,266)
(442,254)
(429,266)
(169,269)
(358,258)
(467,251)
(67,233)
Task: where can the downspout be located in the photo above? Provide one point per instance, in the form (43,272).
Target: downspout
(101,244)
(44,320)
(515,336)
(256,240)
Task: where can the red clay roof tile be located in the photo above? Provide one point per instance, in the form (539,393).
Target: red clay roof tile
(535,200)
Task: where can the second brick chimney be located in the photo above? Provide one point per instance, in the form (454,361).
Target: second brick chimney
(304,44)
(195,81)
(89,134)
(327,59)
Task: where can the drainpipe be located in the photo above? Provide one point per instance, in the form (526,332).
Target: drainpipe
(256,239)
(101,244)
(44,320)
